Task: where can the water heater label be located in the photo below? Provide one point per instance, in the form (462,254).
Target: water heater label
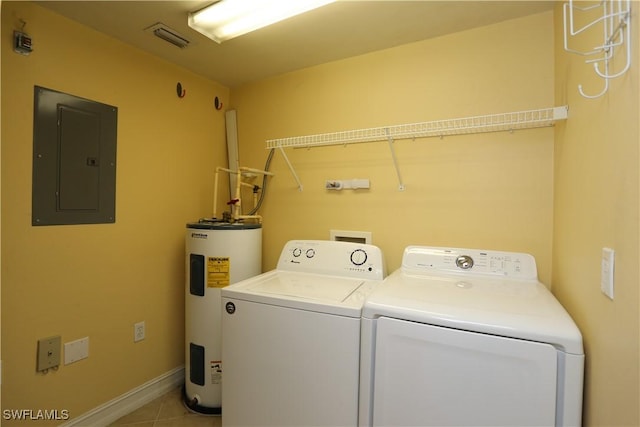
(216,372)
(218,272)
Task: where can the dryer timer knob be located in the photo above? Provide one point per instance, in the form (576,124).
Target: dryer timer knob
(464,262)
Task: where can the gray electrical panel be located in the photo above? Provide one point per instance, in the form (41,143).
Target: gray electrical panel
(74,160)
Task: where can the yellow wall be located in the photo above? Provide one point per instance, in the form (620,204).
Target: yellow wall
(595,206)
(98,280)
(485,191)
(480,191)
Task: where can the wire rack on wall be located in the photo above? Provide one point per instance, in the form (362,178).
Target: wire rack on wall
(487,123)
(501,122)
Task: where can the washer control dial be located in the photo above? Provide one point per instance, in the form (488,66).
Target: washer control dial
(310,253)
(297,252)
(464,262)
(358,257)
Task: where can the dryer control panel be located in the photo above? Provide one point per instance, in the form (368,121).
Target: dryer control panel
(472,262)
(330,257)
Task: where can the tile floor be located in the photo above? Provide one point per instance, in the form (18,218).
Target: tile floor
(167,411)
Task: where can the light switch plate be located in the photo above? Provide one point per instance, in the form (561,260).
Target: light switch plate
(607,267)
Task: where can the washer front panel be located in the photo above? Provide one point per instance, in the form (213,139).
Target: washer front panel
(288,367)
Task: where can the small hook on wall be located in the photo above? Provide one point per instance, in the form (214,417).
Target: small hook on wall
(180,91)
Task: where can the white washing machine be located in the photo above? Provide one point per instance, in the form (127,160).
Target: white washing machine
(291,337)
(461,337)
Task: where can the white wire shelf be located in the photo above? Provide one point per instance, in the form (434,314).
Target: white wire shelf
(501,122)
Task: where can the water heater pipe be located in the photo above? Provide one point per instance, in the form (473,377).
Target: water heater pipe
(237,206)
(215,188)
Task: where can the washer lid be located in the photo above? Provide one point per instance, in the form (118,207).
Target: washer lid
(518,309)
(305,291)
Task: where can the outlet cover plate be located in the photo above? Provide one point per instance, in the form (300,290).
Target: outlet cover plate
(48,353)
(138,331)
(76,350)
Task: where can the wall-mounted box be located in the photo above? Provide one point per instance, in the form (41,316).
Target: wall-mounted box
(351,236)
(74,159)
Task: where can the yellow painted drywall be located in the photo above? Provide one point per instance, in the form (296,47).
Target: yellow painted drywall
(491,191)
(98,280)
(596,205)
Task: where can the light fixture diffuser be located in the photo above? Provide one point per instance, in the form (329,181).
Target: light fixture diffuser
(227,19)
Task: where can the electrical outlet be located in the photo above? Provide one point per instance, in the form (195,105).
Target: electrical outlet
(138,331)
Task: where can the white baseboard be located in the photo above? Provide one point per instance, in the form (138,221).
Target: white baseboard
(109,412)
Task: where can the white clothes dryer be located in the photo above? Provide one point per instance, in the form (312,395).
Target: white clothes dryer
(462,337)
(291,337)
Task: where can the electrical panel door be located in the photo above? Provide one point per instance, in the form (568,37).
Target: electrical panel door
(74,160)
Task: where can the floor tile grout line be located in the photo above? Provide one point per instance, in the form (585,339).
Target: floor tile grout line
(162,403)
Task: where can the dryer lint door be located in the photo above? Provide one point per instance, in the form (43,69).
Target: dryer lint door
(429,375)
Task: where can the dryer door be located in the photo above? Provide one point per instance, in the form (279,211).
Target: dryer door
(429,375)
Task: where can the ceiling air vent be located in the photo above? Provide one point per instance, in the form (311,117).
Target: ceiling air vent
(169,35)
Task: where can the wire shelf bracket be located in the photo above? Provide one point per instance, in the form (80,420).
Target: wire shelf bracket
(612,17)
(502,122)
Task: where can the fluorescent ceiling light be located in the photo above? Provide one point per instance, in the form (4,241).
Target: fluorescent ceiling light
(227,19)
